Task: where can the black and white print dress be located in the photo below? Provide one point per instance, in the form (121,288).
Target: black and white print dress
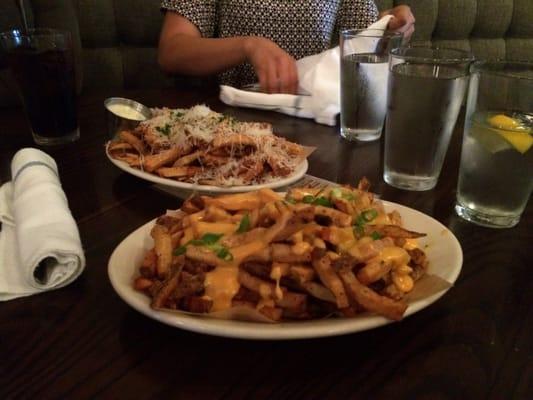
(300,27)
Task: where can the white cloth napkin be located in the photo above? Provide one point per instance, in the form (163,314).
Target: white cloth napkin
(40,247)
(318,75)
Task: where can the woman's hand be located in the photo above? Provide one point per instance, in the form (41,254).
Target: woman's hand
(274,67)
(403,20)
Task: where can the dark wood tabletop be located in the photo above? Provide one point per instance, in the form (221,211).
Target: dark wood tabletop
(83,341)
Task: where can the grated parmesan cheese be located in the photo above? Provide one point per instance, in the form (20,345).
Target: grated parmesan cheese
(198,126)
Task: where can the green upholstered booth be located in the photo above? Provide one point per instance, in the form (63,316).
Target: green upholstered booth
(118,38)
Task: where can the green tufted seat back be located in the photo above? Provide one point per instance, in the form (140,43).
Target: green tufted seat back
(491,29)
(119,37)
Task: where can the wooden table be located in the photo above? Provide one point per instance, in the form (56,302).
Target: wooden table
(83,341)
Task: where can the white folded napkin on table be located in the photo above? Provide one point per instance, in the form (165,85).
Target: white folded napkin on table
(318,75)
(40,247)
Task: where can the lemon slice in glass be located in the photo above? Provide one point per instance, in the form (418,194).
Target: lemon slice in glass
(513,131)
(488,138)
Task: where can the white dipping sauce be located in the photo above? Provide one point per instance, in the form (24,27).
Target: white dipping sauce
(125,111)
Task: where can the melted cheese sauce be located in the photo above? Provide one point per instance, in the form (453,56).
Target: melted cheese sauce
(399,258)
(410,244)
(278,270)
(221,284)
(403,282)
(201,228)
(394,255)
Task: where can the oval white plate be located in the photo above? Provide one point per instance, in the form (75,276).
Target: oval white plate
(443,251)
(297,174)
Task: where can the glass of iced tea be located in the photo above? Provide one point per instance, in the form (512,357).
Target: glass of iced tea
(42,62)
(496,173)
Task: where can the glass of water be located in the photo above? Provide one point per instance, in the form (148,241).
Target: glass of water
(364,73)
(426,90)
(496,173)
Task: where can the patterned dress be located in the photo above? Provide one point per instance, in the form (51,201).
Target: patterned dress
(300,27)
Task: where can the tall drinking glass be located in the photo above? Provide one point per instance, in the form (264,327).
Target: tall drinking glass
(496,173)
(42,62)
(426,89)
(364,74)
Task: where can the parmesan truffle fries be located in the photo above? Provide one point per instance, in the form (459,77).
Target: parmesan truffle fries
(198,145)
(310,254)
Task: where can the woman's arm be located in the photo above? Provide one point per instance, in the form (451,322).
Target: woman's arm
(183,50)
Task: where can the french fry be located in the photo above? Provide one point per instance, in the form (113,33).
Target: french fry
(302,273)
(337,217)
(294,301)
(373,271)
(203,255)
(133,140)
(188,159)
(234,202)
(142,283)
(119,147)
(319,291)
(148,266)
(393,231)
(196,304)
(177,172)
(369,299)
(330,279)
(284,253)
(163,249)
(273,313)
(155,161)
(166,289)
(133,160)
(235,142)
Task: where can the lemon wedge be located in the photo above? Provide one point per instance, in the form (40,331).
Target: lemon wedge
(504,122)
(521,141)
(516,134)
(488,138)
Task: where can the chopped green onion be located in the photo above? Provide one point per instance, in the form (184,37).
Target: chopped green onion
(211,238)
(308,199)
(210,241)
(369,215)
(180,250)
(348,196)
(376,235)
(244,226)
(358,230)
(336,192)
(290,200)
(224,254)
(322,201)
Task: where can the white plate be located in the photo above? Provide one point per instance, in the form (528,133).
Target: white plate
(209,189)
(443,251)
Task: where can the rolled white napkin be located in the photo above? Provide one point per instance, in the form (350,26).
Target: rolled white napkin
(40,246)
(318,75)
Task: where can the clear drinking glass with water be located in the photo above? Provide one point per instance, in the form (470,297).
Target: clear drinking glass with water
(496,173)
(364,74)
(426,90)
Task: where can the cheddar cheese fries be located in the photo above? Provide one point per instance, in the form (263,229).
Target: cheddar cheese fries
(308,254)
